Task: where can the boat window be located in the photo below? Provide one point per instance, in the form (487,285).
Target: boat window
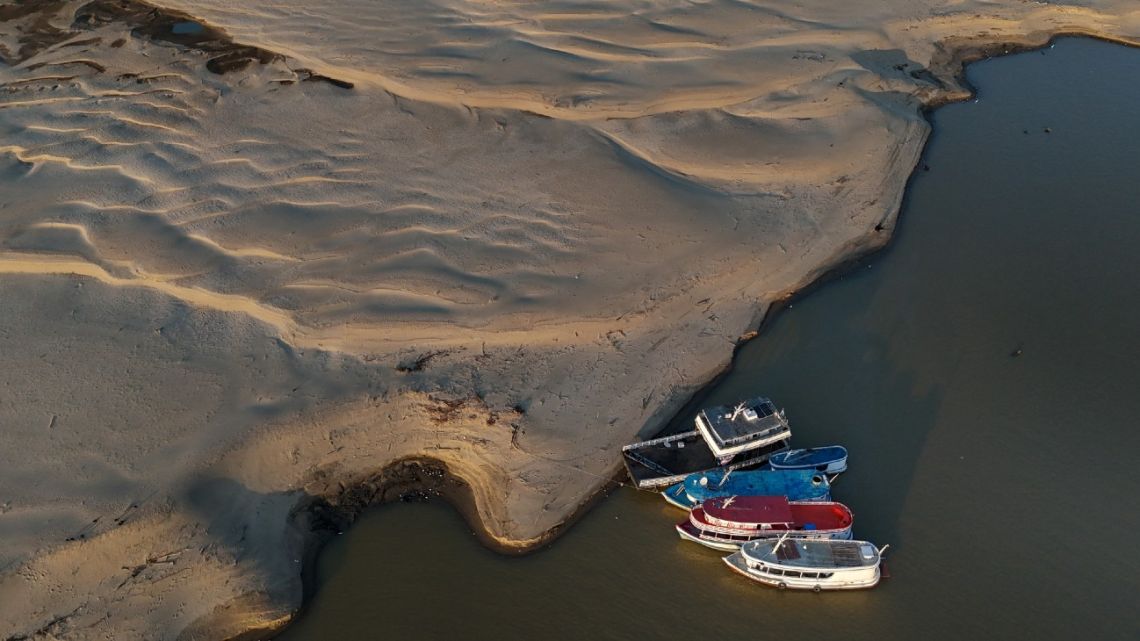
(825,575)
(776,572)
(792,573)
(811,575)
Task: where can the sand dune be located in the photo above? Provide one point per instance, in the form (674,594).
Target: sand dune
(251,256)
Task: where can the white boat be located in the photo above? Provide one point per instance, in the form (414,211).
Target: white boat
(809,564)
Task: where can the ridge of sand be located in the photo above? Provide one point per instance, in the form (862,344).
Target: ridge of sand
(502,240)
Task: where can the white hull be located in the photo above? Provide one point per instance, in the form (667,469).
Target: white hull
(733,545)
(726,546)
(857,579)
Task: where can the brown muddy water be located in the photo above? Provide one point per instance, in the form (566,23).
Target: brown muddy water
(984,373)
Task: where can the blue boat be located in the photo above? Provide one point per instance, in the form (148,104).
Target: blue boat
(796,485)
(829,460)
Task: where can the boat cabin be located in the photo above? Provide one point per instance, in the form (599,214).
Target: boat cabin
(730,430)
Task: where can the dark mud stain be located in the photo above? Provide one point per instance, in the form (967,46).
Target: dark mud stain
(336,504)
(36,31)
(175,27)
(35,22)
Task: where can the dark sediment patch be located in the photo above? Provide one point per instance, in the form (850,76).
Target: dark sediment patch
(37,33)
(174,27)
(33,21)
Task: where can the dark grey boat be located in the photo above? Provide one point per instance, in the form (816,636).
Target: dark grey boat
(728,437)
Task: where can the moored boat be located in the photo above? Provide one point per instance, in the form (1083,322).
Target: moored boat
(809,564)
(829,460)
(796,485)
(729,437)
(728,522)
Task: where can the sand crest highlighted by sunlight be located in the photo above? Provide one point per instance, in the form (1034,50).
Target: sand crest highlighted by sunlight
(251,256)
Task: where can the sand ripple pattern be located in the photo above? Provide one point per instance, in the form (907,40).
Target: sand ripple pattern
(162,178)
(679,134)
(614,58)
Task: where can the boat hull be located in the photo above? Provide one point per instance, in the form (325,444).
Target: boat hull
(850,581)
(731,542)
(796,485)
(829,460)
(693,534)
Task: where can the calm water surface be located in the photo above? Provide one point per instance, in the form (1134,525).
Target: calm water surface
(1007,486)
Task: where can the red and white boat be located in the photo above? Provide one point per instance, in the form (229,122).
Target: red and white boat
(728,522)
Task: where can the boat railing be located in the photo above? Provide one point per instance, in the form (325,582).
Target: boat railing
(659,440)
(656,467)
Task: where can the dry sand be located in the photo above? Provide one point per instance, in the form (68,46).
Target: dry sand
(508,237)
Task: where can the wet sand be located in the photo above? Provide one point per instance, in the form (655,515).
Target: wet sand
(507,239)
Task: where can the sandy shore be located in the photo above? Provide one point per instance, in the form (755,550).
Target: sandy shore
(263,267)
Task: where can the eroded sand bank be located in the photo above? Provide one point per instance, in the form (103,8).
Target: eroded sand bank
(504,237)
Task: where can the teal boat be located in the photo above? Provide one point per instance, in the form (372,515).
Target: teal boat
(796,485)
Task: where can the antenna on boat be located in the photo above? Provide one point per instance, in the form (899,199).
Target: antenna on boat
(728,501)
(780,541)
(724,478)
(736,412)
(884,549)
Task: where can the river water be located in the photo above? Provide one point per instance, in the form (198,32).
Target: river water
(1006,484)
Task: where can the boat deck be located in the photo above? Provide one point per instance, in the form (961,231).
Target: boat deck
(797,485)
(815,553)
(668,460)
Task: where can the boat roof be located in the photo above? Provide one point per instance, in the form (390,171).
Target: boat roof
(813,553)
(734,423)
(750,509)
